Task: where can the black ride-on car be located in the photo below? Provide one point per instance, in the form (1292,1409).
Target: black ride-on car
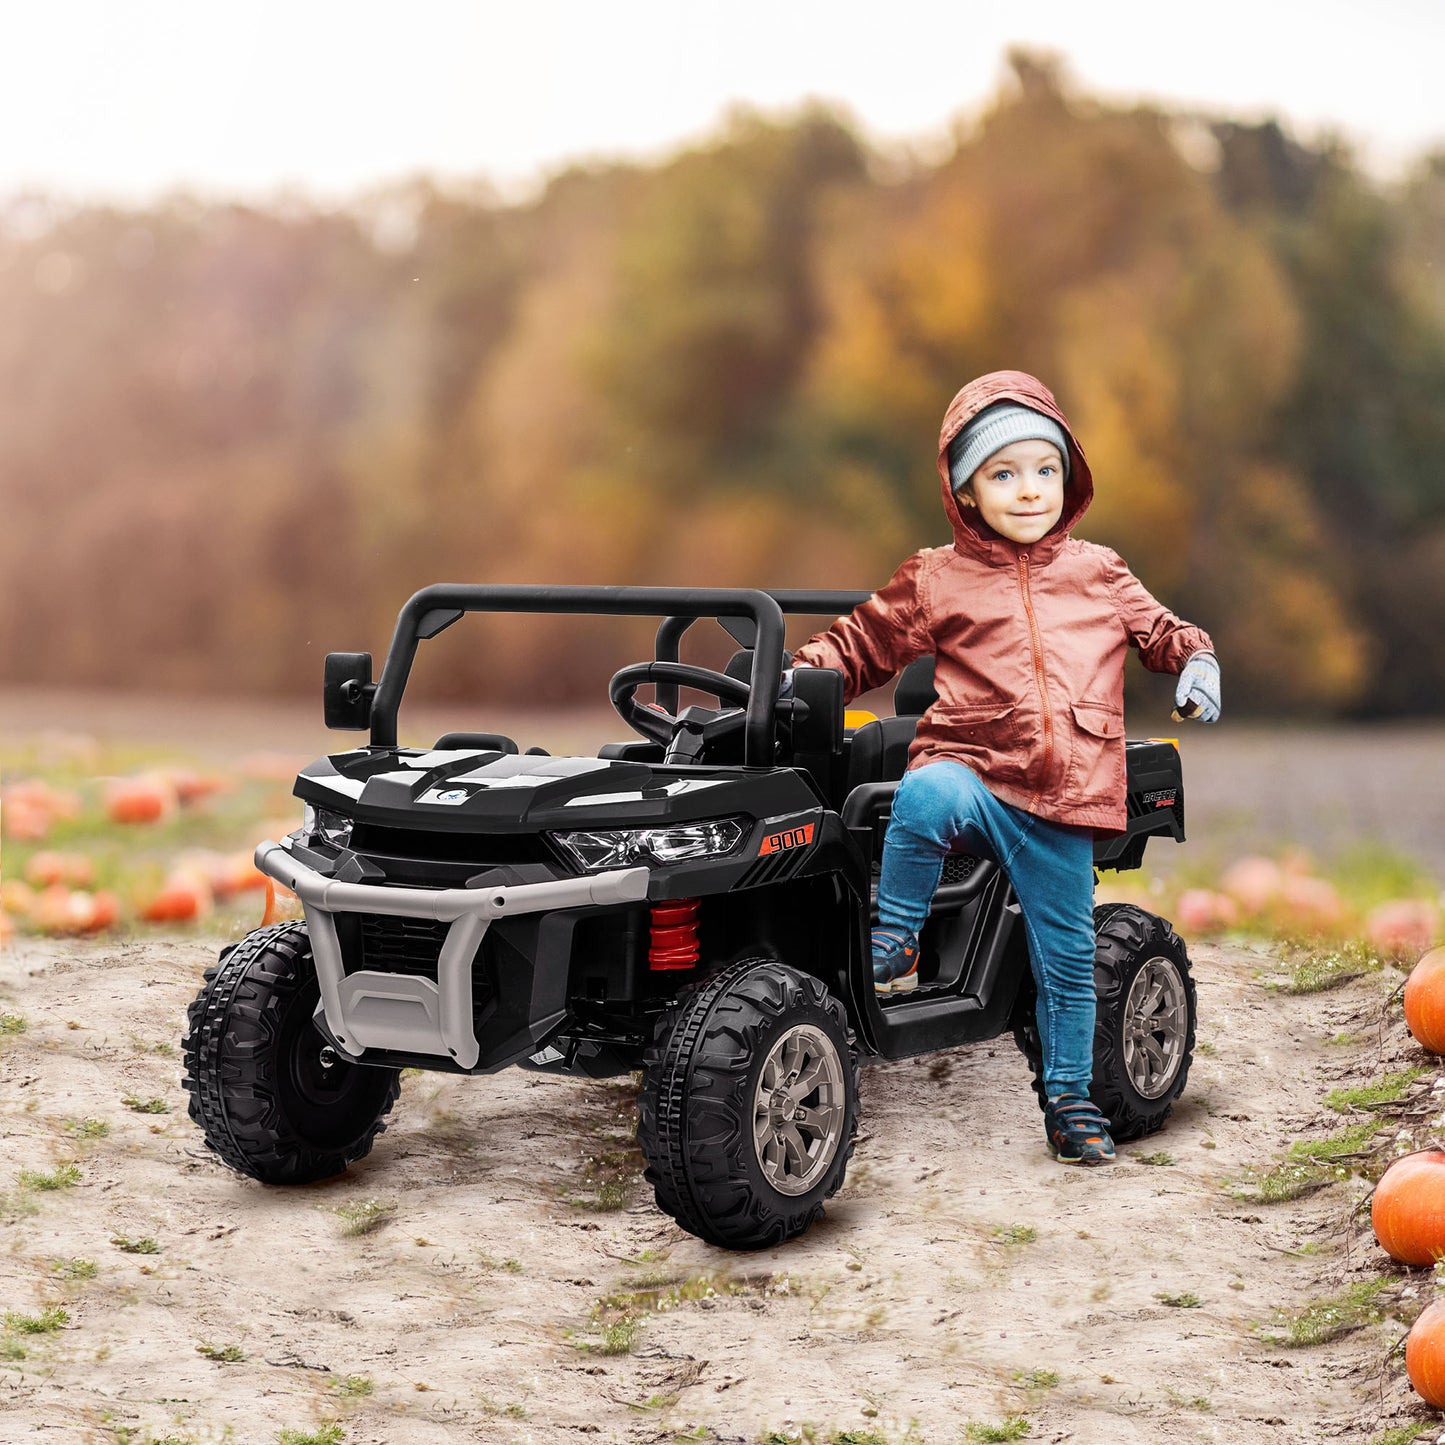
(695,904)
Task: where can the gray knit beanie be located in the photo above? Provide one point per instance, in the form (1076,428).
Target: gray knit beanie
(994,427)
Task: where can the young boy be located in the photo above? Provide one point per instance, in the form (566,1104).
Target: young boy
(1022,757)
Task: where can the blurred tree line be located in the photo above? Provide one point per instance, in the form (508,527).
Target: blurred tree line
(234,438)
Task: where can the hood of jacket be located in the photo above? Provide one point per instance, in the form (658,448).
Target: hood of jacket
(971,534)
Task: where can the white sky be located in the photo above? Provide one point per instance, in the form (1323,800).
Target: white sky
(125,99)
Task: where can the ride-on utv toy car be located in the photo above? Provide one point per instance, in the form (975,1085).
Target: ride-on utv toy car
(696,904)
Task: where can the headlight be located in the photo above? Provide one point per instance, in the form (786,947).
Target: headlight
(623,847)
(321,825)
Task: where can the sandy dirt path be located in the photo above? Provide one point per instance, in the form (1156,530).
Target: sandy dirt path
(959,1277)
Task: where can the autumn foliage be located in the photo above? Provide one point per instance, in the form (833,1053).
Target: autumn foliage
(728,368)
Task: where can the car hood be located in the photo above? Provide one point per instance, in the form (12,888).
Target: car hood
(463,789)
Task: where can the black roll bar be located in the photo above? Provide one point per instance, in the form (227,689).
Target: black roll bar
(818,604)
(434,608)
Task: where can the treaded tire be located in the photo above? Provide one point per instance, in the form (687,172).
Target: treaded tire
(1126,938)
(696,1111)
(264,1099)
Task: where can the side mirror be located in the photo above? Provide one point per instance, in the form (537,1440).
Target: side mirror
(347,690)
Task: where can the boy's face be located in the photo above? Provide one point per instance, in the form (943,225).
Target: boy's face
(1019,490)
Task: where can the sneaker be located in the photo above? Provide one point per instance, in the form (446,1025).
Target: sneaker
(895,960)
(1078,1132)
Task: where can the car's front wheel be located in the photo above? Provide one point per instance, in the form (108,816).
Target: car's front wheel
(749,1105)
(272,1096)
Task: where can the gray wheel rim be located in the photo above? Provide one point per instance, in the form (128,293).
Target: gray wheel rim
(1156,1024)
(798,1109)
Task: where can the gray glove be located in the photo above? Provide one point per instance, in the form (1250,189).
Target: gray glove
(1197,695)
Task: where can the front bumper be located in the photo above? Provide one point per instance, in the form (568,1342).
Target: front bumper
(403,1013)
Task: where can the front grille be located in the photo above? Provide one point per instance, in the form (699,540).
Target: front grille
(390,944)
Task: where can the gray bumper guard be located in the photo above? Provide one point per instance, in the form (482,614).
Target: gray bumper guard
(372,1010)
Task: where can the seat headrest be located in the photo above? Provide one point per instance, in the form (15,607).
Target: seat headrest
(740,665)
(914,694)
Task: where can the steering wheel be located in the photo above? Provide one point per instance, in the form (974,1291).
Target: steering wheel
(655,722)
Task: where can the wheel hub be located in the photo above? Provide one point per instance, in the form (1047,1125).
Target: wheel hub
(799,1109)
(1156,1025)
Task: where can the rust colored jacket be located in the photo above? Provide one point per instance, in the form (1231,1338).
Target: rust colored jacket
(1029,642)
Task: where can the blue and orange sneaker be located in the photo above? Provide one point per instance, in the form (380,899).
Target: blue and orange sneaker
(1078,1132)
(895,960)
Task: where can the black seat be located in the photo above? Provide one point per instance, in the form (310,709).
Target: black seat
(816,742)
(878,751)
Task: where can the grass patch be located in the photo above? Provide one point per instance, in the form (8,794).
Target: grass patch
(127,1245)
(1402,1434)
(610,1173)
(1387,1089)
(1160,1158)
(1014,1428)
(354,1387)
(1015,1234)
(145,1106)
(1036,1379)
(222,1355)
(76,1268)
(1328,1318)
(619,1337)
(63,1177)
(50,1319)
(1334,1148)
(1186,1301)
(1285,1182)
(487,1261)
(165,1048)
(857,1437)
(331,1434)
(87,1128)
(1321,969)
(11,1024)
(364,1216)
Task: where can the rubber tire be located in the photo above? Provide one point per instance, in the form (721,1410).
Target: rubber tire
(1125,938)
(695,1114)
(248,1030)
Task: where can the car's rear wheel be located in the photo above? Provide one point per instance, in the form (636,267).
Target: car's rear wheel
(749,1105)
(1144,1027)
(271,1095)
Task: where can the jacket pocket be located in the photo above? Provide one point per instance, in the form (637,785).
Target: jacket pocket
(1099,719)
(1096,756)
(986,735)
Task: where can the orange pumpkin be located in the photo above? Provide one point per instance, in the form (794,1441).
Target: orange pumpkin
(59,909)
(184,898)
(1425,1001)
(1425,1355)
(1408,1210)
(143,799)
(73,869)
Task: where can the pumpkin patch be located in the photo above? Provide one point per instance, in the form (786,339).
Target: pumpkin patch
(1425,1001)
(1408,1209)
(1425,1355)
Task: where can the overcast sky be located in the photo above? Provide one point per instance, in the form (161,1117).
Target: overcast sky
(125,99)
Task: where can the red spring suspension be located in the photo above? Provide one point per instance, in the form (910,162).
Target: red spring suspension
(674,935)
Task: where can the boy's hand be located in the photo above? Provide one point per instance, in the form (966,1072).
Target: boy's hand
(1197,695)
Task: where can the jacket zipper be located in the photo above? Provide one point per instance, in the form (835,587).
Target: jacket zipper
(1039,674)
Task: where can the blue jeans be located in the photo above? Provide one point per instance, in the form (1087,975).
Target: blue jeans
(1051,867)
